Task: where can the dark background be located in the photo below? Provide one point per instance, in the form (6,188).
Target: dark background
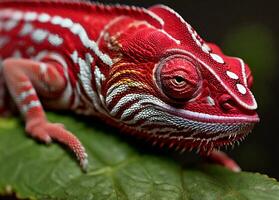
(247,29)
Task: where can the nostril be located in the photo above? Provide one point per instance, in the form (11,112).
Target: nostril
(226,102)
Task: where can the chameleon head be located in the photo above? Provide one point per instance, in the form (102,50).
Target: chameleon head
(171,86)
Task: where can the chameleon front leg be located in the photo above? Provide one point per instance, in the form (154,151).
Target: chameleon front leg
(26,79)
(223,159)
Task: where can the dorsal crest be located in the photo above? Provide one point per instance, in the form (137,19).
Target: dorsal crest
(230,72)
(88,6)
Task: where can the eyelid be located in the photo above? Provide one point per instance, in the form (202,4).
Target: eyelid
(168,74)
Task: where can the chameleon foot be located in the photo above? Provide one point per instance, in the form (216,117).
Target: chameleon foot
(223,159)
(46,132)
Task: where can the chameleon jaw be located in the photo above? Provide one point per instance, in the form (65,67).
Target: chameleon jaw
(202,144)
(205,136)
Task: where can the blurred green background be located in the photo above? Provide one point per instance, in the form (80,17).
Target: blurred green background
(247,29)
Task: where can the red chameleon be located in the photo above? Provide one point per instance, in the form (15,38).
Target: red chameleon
(144,71)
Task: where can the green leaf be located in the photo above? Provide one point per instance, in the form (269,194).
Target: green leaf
(117,171)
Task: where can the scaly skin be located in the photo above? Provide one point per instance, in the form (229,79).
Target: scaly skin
(144,71)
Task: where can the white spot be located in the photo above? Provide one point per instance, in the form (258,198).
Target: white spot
(210,101)
(44,18)
(74,56)
(39,35)
(56,20)
(67,23)
(9,25)
(250,106)
(27,28)
(55,39)
(17,54)
(232,75)
(17,15)
(241,88)
(6,13)
(43,68)
(205,48)
(217,58)
(30,50)
(76,29)
(4,41)
(30,16)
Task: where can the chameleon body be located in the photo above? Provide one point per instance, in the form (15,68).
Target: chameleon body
(144,71)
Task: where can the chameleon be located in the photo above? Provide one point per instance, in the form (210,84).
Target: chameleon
(144,71)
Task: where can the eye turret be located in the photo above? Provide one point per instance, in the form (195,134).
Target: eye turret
(178,78)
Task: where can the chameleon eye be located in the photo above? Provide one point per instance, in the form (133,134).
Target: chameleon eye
(178,78)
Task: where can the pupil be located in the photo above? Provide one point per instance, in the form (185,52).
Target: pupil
(179,79)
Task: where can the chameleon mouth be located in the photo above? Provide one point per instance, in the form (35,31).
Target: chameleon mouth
(202,142)
(208,118)
(203,132)
(208,142)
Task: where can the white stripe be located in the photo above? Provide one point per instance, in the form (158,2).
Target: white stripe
(170,36)
(26,94)
(176,14)
(89,58)
(243,71)
(146,11)
(77,95)
(144,114)
(74,57)
(85,76)
(130,111)
(114,91)
(123,101)
(67,23)
(147,99)
(68,91)
(32,104)
(154,16)
(99,78)
(151,101)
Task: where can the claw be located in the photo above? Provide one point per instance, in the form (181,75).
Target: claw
(46,132)
(84,163)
